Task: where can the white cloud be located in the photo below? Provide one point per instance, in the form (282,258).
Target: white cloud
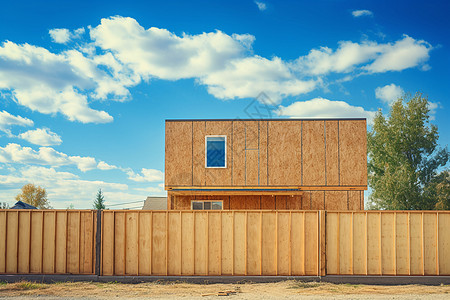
(63,35)
(324,108)
(261,5)
(361,13)
(60,35)
(365,56)
(41,137)
(389,93)
(50,83)
(403,54)
(7,121)
(104,166)
(147,175)
(47,156)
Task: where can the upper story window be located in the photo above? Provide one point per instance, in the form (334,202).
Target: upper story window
(216,151)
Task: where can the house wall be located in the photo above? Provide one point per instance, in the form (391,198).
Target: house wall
(269,153)
(310,200)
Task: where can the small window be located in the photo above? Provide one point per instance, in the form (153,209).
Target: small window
(206,205)
(216,151)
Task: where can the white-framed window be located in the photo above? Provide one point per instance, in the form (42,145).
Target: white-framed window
(206,204)
(216,151)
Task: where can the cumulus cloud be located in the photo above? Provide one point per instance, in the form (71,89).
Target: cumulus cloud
(362,13)
(365,56)
(63,35)
(324,108)
(104,166)
(47,156)
(121,54)
(146,175)
(8,120)
(41,137)
(389,93)
(261,5)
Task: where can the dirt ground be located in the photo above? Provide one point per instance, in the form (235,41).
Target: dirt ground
(175,290)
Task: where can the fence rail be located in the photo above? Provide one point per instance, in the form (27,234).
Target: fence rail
(297,243)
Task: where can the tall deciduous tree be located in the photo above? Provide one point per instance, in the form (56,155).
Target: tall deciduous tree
(34,195)
(404,158)
(99,202)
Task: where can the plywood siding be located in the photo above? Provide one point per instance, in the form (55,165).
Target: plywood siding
(269,153)
(283,138)
(353,153)
(178,169)
(313,153)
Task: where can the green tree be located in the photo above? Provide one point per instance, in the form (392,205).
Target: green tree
(99,202)
(34,195)
(440,188)
(404,158)
(4,205)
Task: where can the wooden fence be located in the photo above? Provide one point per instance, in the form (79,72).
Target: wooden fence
(388,243)
(47,241)
(211,243)
(224,242)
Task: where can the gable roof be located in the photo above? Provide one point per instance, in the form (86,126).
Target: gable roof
(23,205)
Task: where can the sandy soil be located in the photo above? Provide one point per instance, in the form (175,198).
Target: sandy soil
(171,290)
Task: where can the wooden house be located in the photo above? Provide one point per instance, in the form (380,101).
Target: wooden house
(266,164)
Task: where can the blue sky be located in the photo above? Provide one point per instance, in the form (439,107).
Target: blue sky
(85,87)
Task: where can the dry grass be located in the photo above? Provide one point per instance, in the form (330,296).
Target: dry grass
(180,289)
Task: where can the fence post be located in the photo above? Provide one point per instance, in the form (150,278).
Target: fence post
(98,242)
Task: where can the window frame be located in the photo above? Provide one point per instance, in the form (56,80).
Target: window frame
(203,203)
(206,151)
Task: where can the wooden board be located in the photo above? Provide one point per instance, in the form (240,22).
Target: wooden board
(174,243)
(313,153)
(254,243)
(198,153)
(267,202)
(263,153)
(280,202)
(178,168)
(48,247)
(12,232)
(317,200)
(269,244)
(354,200)
(201,243)
(238,160)
(311,243)
(284,137)
(131,244)
(294,202)
(159,250)
(145,243)
(402,243)
(332,153)
(429,243)
(251,135)
(352,152)
(332,245)
(444,243)
(3,239)
(297,244)
(119,243)
(283,236)
(240,243)
(220,176)
(252,167)
(359,251)
(227,243)
(345,243)
(23,264)
(188,243)
(373,244)
(336,200)
(416,244)
(214,243)
(388,243)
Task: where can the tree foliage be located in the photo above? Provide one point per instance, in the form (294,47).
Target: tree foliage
(404,158)
(99,202)
(34,195)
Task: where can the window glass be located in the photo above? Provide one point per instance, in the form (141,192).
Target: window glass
(215,151)
(206,205)
(197,205)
